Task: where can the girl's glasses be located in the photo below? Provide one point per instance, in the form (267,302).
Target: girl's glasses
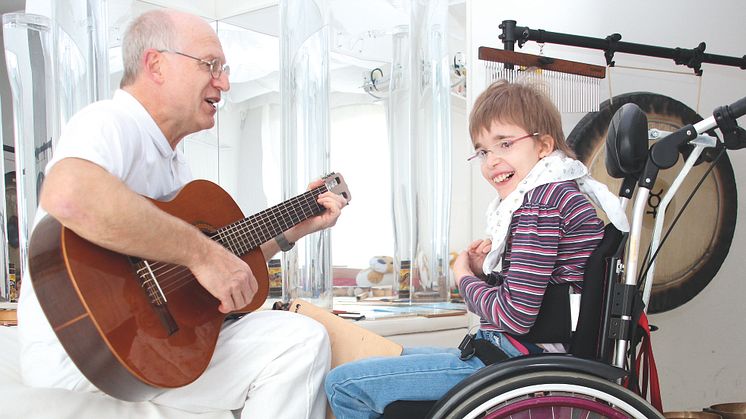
(500,149)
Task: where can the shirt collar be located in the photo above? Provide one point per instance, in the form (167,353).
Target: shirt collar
(147,122)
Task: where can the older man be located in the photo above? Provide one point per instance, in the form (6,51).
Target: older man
(113,153)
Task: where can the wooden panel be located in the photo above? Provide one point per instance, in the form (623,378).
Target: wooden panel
(540,61)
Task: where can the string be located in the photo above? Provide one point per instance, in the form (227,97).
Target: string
(611,95)
(237,239)
(184,276)
(659,70)
(699,93)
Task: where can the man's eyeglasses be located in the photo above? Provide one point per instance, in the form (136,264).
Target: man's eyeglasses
(216,69)
(500,149)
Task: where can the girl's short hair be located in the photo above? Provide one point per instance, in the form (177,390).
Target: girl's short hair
(522,104)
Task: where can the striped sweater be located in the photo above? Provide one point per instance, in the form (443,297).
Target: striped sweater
(552,234)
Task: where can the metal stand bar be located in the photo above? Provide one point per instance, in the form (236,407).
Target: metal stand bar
(692,58)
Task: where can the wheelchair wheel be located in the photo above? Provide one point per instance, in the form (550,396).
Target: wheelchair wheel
(549,394)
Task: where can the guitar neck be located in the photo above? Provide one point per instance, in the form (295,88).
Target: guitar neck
(249,233)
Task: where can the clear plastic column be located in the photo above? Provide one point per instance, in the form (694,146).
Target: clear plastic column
(80,51)
(57,64)
(431,148)
(402,163)
(304,88)
(28,55)
(4,272)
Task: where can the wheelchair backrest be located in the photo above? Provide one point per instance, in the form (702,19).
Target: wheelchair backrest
(596,280)
(626,153)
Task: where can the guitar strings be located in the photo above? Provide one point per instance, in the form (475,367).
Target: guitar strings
(226,239)
(183,276)
(172,277)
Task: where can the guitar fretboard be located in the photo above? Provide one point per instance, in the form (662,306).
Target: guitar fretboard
(249,233)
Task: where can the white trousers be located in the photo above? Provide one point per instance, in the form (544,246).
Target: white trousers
(273,362)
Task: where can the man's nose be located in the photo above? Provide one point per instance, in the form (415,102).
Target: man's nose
(222,82)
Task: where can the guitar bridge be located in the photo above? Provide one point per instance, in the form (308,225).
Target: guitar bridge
(149,284)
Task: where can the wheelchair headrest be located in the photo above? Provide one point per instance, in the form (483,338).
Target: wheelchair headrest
(627,142)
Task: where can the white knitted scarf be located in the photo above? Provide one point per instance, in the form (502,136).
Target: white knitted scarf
(556,167)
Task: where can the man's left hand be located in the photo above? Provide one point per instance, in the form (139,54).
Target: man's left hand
(333,204)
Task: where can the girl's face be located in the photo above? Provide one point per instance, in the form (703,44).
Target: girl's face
(508,153)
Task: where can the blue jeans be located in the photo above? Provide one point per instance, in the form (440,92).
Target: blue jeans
(362,389)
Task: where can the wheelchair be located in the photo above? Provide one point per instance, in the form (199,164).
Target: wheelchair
(587,382)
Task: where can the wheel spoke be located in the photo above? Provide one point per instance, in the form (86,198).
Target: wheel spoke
(555,406)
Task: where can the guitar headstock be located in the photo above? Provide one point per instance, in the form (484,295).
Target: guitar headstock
(335,183)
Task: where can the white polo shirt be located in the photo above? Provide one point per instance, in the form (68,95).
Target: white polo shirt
(120,136)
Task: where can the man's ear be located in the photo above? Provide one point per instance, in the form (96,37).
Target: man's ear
(152,61)
(546,145)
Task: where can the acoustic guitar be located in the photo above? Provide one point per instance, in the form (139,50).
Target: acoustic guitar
(134,327)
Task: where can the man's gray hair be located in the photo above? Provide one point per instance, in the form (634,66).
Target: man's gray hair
(153,29)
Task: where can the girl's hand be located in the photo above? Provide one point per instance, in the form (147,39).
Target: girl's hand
(478,250)
(470,260)
(461,267)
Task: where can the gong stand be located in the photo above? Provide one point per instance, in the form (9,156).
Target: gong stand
(692,58)
(665,153)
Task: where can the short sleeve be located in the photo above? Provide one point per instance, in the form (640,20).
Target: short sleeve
(97,134)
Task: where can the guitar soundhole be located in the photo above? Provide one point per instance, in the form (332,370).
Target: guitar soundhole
(206,228)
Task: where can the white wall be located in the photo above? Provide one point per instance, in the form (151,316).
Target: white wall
(700,346)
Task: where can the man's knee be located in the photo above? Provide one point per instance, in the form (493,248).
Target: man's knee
(312,336)
(314,332)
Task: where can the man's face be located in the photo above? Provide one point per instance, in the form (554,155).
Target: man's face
(193,89)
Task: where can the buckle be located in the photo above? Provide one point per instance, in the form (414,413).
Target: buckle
(467,347)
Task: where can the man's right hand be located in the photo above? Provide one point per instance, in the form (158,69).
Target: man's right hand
(225,276)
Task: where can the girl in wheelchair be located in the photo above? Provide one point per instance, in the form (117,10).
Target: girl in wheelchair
(542,228)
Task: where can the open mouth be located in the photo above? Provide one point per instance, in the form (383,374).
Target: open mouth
(212,102)
(503,177)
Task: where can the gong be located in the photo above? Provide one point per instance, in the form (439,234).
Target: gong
(699,243)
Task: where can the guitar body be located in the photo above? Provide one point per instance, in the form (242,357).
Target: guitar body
(106,321)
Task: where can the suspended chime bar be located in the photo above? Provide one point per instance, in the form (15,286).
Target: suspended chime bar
(572,86)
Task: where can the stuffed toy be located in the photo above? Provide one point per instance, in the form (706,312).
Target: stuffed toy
(380,273)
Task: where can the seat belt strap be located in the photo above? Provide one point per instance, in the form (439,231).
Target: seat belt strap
(482,349)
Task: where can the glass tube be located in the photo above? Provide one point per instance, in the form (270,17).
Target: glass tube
(398,121)
(304,90)
(57,64)
(82,25)
(98,48)
(4,271)
(431,141)
(28,56)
